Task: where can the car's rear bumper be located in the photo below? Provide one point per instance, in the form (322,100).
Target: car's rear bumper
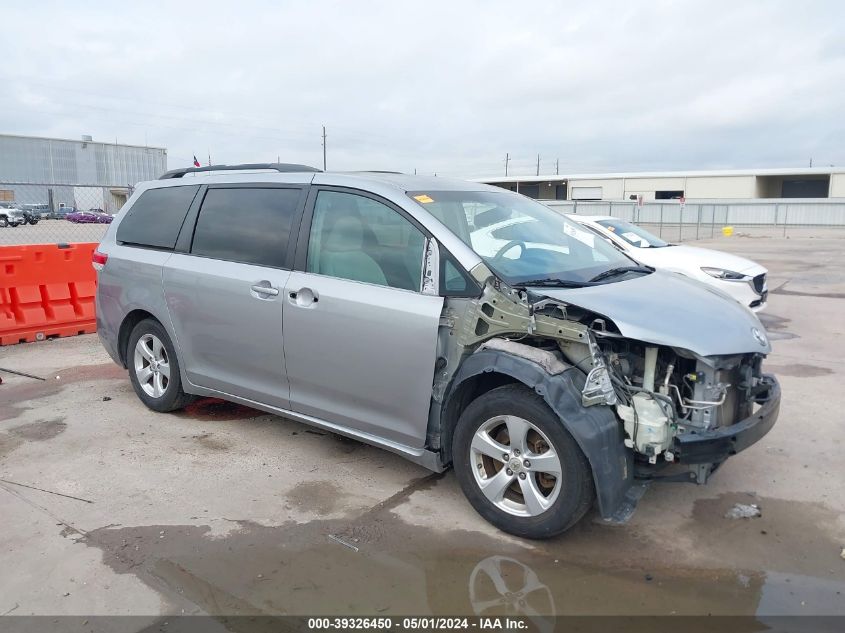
(715,446)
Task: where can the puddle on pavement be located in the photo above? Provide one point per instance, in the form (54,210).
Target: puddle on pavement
(38,431)
(776,326)
(27,389)
(378,564)
(321,497)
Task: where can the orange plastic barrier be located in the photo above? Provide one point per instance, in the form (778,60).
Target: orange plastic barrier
(46,290)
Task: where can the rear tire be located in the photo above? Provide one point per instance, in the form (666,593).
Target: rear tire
(518,466)
(4,222)
(154,368)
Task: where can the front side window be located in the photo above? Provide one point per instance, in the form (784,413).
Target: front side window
(247,225)
(357,238)
(520,239)
(632,234)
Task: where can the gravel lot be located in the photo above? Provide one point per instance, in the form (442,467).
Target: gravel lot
(52,232)
(109,508)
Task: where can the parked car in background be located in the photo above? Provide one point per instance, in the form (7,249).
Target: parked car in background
(89,217)
(39,211)
(11,215)
(552,370)
(741,278)
(29,216)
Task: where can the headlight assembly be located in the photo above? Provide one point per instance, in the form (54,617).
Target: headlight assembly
(728,275)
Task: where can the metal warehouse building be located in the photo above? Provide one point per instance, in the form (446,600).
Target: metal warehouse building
(83,173)
(802,182)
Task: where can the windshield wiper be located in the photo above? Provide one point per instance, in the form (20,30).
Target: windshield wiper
(551,282)
(621,270)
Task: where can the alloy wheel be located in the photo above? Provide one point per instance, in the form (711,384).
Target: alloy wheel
(152,367)
(515,466)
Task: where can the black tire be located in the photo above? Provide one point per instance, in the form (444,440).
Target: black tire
(173,397)
(33,222)
(576,493)
(4,222)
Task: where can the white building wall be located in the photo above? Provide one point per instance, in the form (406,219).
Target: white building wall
(646,187)
(721,187)
(611,188)
(837,186)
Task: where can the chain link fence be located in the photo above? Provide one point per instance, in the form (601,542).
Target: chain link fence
(60,213)
(57,213)
(704,219)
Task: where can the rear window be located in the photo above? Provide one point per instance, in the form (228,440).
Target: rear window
(155,218)
(249,225)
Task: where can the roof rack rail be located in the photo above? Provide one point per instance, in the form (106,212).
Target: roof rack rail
(280,167)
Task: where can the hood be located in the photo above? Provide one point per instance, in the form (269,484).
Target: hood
(672,310)
(691,257)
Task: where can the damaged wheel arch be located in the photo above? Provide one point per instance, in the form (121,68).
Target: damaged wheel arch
(595,429)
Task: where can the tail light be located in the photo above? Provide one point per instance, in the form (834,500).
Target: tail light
(98,260)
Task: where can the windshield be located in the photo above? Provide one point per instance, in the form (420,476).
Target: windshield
(520,239)
(631,233)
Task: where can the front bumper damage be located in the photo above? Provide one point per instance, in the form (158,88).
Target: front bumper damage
(716,445)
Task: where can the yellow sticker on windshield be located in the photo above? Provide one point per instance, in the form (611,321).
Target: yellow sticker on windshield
(423,198)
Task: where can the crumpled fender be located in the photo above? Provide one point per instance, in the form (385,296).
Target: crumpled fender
(595,429)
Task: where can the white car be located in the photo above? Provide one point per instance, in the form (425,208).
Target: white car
(738,277)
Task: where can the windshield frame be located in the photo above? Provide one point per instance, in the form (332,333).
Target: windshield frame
(567,237)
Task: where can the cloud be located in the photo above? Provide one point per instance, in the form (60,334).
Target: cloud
(444,87)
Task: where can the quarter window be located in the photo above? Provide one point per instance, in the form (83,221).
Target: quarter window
(156,217)
(357,238)
(248,225)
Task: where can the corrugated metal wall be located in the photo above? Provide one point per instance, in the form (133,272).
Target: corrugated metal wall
(35,160)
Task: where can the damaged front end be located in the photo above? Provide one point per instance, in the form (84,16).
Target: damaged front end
(639,409)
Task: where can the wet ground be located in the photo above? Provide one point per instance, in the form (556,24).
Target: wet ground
(108,508)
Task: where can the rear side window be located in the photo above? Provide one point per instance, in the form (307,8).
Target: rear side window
(156,217)
(248,225)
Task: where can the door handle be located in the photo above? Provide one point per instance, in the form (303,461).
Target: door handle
(304,297)
(265,290)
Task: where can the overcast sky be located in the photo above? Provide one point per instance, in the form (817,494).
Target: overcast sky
(445,87)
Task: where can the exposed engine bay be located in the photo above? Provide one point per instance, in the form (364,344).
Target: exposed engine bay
(658,392)
(662,392)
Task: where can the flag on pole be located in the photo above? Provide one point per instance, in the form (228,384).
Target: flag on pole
(196,162)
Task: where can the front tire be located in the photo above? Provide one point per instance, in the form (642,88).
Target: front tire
(154,368)
(518,466)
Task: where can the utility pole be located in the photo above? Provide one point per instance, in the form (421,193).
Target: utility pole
(507,160)
(811,161)
(209,158)
(557,167)
(538,164)
(324,148)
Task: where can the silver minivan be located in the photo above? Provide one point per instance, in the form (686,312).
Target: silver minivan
(549,369)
